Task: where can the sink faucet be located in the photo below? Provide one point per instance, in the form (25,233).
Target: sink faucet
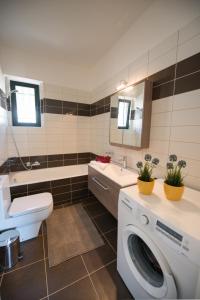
(123,160)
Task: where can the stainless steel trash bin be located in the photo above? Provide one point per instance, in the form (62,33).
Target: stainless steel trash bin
(9,248)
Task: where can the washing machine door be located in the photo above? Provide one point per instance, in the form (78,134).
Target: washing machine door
(147,264)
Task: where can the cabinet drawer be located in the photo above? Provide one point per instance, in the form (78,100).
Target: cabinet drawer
(105,190)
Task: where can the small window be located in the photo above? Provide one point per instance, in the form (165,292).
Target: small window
(25,104)
(123,113)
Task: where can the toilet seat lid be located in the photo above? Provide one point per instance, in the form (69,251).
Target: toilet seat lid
(24,205)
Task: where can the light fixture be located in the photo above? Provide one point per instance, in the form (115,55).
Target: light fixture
(123,84)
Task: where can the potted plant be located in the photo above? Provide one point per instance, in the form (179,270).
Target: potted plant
(173,184)
(145,180)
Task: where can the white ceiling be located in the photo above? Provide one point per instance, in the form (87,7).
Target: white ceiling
(79,31)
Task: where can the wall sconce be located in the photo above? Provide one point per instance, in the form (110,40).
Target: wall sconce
(123,84)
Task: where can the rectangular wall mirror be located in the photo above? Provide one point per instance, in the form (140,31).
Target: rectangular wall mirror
(130,116)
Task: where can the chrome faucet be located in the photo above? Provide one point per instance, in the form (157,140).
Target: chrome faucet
(123,160)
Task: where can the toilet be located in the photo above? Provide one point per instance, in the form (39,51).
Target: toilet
(24,213)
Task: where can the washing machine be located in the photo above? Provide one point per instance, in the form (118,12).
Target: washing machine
(158,255)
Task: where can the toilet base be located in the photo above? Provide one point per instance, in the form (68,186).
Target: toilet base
(29,232)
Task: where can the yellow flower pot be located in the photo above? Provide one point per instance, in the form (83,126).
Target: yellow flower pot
(173,193)
(145,187)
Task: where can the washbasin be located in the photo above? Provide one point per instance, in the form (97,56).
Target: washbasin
(123,177)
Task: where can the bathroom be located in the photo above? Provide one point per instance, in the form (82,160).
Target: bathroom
(78,57)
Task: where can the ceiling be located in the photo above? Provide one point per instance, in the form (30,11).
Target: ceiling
(78,31)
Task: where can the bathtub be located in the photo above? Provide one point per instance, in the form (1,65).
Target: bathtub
(68,184)
(47,174)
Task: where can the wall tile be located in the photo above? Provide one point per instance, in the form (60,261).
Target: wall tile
(163,90)
(188,150)
(187,100)
(186,134)
(189,31)
(189,48)
(187,83)
(164,47)
(162,105)
(161,119)
(189,65)
(186,117)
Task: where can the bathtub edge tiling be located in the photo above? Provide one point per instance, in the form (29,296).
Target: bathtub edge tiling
(68,187)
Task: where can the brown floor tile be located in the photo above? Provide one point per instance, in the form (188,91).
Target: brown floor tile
(32,250)
(88,200)
(26,283)
(112,238)
(109,284)
(95,209)
(99,257)
(45,246)
(82,290)
(106,222)
(65,273)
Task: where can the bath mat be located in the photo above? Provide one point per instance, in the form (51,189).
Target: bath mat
(70,232)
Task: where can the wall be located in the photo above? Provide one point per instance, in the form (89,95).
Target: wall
(3,123)
(54,72)
(175,123)
(156,24)
(60,132)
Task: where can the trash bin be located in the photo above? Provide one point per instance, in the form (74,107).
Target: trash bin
(9,249)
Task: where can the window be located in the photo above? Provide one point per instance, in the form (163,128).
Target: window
(123,113)
(25,104)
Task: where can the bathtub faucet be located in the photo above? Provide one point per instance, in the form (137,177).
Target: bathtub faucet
(34,164)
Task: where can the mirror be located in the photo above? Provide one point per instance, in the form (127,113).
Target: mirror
(130,116)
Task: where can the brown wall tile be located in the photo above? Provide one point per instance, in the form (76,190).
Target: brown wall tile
(188,65)
(163,90)
(39,186)
(79,179)
(61,189)
(163,76)
(60,182)
(187,83)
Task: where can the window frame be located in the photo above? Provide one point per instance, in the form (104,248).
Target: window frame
(15,122)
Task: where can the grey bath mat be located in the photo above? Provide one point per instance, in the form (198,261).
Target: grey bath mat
(70,232)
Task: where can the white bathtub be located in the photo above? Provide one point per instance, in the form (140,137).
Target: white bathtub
(47,174)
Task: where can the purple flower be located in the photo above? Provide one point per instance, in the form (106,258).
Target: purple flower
(155,161)
(139,164)
(170,166)
(147,157)
(173,157)
(182,163)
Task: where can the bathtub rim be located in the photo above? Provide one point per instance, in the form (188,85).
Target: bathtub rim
(13,184)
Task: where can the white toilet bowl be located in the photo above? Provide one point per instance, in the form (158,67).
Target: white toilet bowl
(24,213)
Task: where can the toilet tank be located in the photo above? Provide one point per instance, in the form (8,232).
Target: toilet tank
(5,198)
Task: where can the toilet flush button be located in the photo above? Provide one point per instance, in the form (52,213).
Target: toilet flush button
(144,220)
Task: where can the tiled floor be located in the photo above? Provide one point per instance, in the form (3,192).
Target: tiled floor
(92,275)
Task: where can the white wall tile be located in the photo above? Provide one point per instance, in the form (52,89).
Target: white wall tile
(160,133)
(186,117)
(189,31)
(161,119)
(162,62)
(162,105)
(187,100)
(189,48)
(188,150)
(165,46)
(186,134)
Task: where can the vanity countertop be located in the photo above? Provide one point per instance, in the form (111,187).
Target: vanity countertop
(123,177)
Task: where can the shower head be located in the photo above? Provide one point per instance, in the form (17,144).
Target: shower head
(11,92)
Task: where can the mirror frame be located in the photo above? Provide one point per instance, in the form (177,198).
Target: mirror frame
(146,117)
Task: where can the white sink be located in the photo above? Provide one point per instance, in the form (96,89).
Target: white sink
(121,176)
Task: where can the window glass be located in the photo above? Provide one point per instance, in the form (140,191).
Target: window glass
(25,102)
